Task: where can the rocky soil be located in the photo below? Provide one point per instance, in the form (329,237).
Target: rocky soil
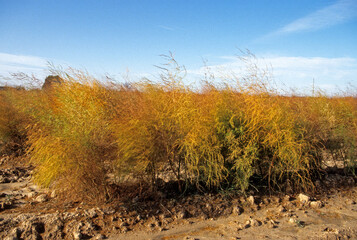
(28,212)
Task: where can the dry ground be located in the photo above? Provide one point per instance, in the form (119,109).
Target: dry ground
(28,212)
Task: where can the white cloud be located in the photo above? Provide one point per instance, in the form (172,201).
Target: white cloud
(340,12)
(30,65)
(21,60)
(291,72)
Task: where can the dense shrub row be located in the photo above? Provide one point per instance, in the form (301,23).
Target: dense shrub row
(79,132)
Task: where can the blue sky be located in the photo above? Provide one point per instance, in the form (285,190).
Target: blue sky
(300,40)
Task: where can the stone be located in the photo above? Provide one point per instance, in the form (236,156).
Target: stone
(237,210)
(304,199)
(251,200)
(275,199)
(253,222)
(138,218)
(281,209)
(53,194)
(291,220)
(77,235)
(190,238)
(124,229)
(240,227)
(272,224)
(266,201)
(31,194)
(316,204)
(181,215)
(99,237)
(151,225)
(92,213)
(286,198)
(41,198)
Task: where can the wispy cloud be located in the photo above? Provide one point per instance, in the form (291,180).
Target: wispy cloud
(291,72)
(166,27)
(21,60)
(337,13)
(31,65)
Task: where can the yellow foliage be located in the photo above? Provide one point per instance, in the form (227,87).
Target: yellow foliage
(69,136)
(12,123)
(80,130)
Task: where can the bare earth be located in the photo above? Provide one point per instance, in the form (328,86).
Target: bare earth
(336,220)
(28,212)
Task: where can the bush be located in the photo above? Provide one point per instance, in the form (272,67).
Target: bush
(151,126)
(212,139)
(331,126)
(79,131)
(12,123)
(69,137)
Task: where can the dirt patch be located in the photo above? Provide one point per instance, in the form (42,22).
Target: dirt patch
(28,212)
